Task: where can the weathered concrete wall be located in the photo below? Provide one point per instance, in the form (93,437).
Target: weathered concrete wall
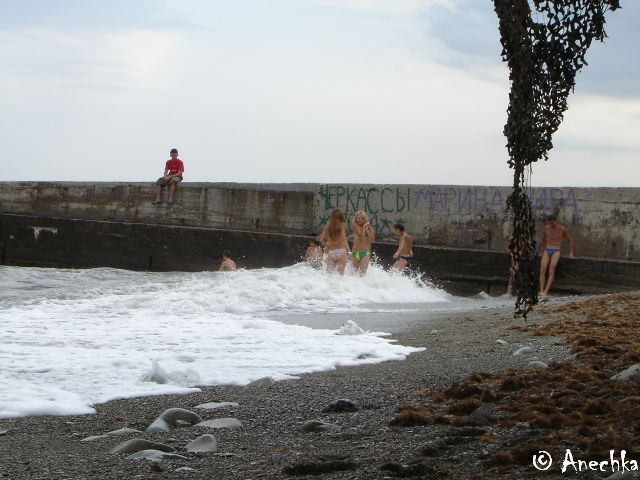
(260,208)
(460,232)
(604,222)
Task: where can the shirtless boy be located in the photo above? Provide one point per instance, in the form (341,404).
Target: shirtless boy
(404,254)
(363,237)
(550,245)
(227,264)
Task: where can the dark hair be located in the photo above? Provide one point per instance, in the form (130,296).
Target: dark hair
(399,226)
(226,253)
(173,150)
(551,218)
(315,242)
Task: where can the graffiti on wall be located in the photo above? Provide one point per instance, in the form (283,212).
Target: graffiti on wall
(384,205)
(394,204)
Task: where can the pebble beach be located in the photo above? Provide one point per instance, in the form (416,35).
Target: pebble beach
(349,423)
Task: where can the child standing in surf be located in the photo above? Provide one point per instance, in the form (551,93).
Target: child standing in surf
(334,238)
(363,238)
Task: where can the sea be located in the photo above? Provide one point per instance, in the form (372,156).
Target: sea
(72,339)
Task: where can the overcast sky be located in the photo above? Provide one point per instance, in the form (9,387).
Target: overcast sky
(341,91)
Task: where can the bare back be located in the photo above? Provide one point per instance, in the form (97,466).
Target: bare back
(405,245)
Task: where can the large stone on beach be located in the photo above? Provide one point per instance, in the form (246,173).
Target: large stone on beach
(204,443)
(218,423)
(155,456)
(139,444)
(217,405)
(340,406)
(171,417)
(537,364)
(524,351)
(631,373)
(262,382)
(113,433)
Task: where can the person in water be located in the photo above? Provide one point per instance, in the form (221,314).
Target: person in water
(363,238)
(227,265)
(404,253)
(550,246)
(313,255)
(334,239)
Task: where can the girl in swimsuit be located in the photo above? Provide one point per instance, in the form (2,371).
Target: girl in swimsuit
(363,237)
(334,238)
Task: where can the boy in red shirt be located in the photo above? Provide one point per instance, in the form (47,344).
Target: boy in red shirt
(173,171)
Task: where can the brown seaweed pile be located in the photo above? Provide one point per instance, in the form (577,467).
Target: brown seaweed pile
(571,404)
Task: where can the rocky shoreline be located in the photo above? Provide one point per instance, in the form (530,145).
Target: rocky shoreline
(295,428)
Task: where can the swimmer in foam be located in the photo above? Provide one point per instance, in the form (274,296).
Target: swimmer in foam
(334,239)
(404,253)
(227,265)
(363,238)
(313,255)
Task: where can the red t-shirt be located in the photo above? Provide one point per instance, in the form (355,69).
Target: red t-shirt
(174,166)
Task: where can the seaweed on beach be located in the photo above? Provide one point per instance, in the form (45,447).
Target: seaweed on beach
(573,403)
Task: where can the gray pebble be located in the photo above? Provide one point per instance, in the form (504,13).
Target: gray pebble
(537,364)
(185,470)
(339,406)
(155,456)
(262,382)
(171,417)
(217,405)
(631,373)
(524,351)
(221,423)
(204,443)
(138,444)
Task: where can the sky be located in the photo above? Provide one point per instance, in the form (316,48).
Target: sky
(320,91)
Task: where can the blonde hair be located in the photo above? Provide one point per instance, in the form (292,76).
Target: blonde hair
(363,214)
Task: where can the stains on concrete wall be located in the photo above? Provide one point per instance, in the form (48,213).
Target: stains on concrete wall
(603,221)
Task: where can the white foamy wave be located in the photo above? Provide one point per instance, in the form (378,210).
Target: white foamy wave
(72,339)
(298,288)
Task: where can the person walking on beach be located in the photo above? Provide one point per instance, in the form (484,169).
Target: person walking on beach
(334,238)
(227,265)
(404,254)
(363,238)
(173,170)
(550,246)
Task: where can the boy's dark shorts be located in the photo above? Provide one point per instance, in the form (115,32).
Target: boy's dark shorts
(161,181)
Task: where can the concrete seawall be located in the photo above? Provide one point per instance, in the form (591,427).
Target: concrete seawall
(460,232)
